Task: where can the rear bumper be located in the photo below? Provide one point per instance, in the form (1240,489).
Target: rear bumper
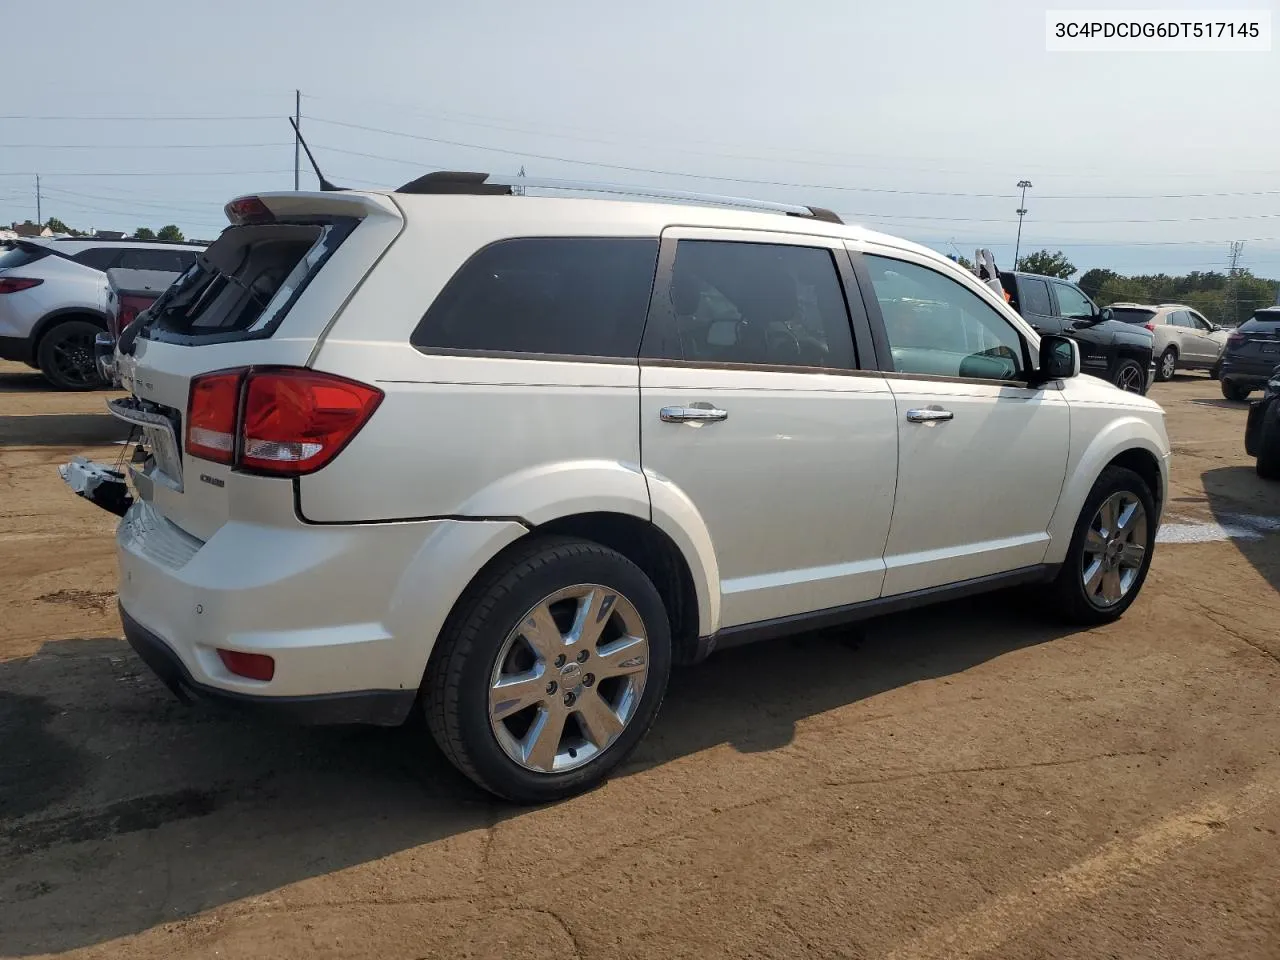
(387,708)
(1253,372)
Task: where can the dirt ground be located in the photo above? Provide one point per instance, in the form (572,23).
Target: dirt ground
(964,782)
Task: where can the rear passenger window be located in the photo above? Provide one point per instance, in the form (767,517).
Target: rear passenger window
(99,258)
(169,261)
(755,303)
(567,296)
(1035,297)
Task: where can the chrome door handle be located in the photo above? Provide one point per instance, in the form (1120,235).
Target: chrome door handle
(695,413)
(929,415)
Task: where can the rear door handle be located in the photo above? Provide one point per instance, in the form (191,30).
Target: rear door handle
(929,415)
(694,413)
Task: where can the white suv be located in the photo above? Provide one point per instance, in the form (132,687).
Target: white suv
(507,458)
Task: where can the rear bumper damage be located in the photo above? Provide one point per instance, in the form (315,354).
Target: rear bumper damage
(98,484)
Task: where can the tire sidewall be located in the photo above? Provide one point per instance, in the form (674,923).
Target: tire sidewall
(503,775)
(1113,480)
(1170,355)
(1124,365)
(44,355)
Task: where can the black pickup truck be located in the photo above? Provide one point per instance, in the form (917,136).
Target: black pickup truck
(1115,351)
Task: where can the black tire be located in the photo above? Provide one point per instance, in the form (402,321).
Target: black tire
(1067,595)
(65,356)
(1268,463)
(1167,365)
(1131,377)
(457,683)
(1215,372)
(1235,392)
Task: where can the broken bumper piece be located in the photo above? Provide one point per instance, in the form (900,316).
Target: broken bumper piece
(98,484)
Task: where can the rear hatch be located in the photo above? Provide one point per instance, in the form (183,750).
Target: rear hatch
(1258,338)
(262,295)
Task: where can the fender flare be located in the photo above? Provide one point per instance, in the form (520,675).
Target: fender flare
(497,516)
(1119,436)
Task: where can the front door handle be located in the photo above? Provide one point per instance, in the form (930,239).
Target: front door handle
(929,415)
(694,413)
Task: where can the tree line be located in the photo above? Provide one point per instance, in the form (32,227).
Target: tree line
(169,232)
(1226,297)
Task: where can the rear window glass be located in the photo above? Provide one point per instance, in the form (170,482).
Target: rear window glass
(170,261)
(1131,315)
(571,296)
(1263,322)
(245,282)
(20,256)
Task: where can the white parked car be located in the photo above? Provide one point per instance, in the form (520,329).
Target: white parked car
(506,459)
(1184,340)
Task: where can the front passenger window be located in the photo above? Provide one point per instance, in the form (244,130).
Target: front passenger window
(937,327)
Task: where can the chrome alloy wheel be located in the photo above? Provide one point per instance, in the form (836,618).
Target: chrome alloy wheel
(1114,547)
(1168,365)
(1130,379)
(568,678)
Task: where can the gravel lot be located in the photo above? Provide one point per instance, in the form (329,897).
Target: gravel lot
(963,782)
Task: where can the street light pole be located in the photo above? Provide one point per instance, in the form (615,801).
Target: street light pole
(1022,212)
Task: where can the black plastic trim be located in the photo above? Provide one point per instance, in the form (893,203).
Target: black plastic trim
(383,708)
(15,348)
(515,355)
(456,182)
(882,357)
(867,609)
(303,518)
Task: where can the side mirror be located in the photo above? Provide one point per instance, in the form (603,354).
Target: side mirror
(1106,314)
(1215,328)
(1059,359)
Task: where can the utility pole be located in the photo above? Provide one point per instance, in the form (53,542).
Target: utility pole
(297,119)
(1022,212)
(39,215)
(1233,273)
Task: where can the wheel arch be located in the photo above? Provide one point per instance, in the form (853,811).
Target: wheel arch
(56,317)
(1129,442)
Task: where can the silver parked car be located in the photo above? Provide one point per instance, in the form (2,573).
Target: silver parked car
(54,299)
(1184,340)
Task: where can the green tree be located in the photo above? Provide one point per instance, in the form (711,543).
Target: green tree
(57,226)
(1123,290)
(1047,264)
(963,261)
(1092,280)
(170,233)
(144,233)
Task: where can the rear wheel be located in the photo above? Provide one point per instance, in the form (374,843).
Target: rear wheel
(1234,391)
(65,356)
(1130,376)
(1268,463)
(1110,550)
(550,670)
(1167,365)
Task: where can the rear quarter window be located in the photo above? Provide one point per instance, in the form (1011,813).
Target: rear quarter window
(20,256)
(560,296)
(99,258)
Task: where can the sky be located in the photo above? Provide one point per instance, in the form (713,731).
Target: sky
(915,117)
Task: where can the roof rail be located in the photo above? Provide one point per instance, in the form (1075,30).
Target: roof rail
(455,182)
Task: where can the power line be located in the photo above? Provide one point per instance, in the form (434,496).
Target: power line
(138,146)
(137,118)
(151,173)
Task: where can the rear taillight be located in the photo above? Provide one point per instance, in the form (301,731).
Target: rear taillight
(247,210)
(255,666)
(131,306)
(212,411)
(1235,339)
(1150,326)
(282,421)
(14,284)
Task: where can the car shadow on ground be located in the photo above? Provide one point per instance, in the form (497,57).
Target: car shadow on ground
(1223,403)
(62,430)
(1238,492)
(121,808)
(24,381)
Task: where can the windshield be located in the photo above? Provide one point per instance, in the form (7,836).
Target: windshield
(1132,314)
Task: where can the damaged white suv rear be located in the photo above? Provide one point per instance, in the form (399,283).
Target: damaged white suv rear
(505,459)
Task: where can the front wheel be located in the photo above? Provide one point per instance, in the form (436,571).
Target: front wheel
(1167,366)
(550,670)
(1110,550)
(1130,376)
(66,356)
(1234,392)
